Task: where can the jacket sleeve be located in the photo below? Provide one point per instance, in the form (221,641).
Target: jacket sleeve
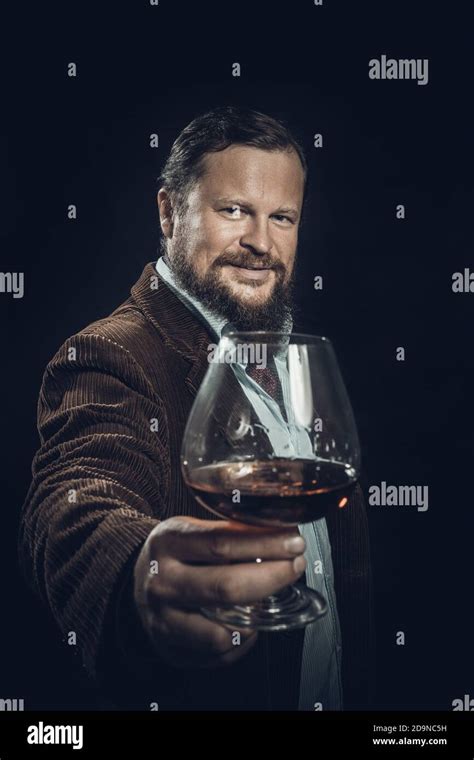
(97,490)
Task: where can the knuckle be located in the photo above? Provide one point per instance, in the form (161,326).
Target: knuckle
(219,546)
(226,589)
(155,592)
(170,526)
(163,538)
(159,587)
(177,522)
(155,541)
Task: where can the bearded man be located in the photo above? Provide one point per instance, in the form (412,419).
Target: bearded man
(107,501)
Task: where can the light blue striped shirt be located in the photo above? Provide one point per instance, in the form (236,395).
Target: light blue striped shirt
(320,684)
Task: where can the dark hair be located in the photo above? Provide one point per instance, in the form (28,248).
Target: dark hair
(215,131)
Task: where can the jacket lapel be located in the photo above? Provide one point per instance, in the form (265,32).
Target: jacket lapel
(178,327)
(183,332)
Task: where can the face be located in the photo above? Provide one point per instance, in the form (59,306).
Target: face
(234,244)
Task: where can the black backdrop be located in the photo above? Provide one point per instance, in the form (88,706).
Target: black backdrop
(387,282)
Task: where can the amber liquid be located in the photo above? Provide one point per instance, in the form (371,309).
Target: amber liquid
(274,492)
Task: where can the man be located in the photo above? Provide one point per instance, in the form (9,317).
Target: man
(108,502)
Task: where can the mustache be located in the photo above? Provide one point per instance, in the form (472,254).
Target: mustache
(243,260)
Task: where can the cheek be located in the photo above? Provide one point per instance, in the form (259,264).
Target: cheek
(211,241)
(286,254)
(220,234)
(290,243)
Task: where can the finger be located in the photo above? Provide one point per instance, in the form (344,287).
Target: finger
(224,541)
(185,637)
(240,583)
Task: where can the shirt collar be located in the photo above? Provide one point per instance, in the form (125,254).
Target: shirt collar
(212,320)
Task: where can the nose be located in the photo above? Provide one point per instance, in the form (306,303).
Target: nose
(257,237)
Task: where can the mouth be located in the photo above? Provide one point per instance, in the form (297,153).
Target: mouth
(252,273)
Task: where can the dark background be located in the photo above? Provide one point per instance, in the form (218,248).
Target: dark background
(387,282)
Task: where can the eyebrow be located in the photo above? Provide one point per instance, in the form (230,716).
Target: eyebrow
(230,201)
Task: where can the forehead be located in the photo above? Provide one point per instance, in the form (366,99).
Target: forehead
(276,175)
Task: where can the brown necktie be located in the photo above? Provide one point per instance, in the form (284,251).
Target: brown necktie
(266,377)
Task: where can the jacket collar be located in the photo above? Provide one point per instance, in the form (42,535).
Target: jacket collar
(178,327)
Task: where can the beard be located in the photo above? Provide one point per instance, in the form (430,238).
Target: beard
(275,314)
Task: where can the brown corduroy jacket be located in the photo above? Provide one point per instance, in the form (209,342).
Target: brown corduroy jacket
(103,478)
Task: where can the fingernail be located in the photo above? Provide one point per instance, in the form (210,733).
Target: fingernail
(299,564)
(295,545)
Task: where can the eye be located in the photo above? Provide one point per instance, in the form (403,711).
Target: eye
(283,218)
(234,211)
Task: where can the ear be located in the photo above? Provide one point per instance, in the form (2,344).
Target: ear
(165,210)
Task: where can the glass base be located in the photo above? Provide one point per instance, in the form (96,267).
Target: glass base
(294,607)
